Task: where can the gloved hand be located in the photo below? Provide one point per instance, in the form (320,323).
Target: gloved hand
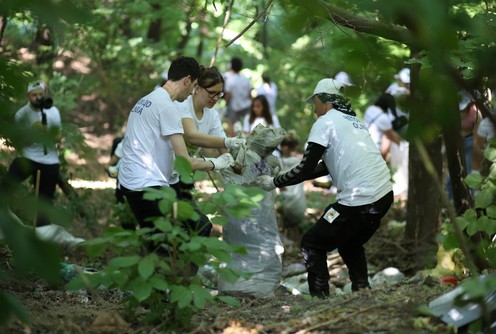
(265,182)
(234,142)
(222,162)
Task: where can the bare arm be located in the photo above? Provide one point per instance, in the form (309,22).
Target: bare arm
(392,136)
(195,137)
(180,150)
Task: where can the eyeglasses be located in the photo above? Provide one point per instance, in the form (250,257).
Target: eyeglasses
(214,94)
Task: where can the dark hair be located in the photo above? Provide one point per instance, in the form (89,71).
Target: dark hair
(182,67)
(290,140)
(386,101)
(265,109)
(236,64)
(209,77)
(266,77)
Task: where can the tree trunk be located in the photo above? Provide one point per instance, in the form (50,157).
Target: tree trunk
(424,200)
(3,25)
(424,206)
(155,28)
(455,156)
(43,45)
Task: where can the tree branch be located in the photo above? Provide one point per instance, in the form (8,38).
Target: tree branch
(347,19)
(251,23)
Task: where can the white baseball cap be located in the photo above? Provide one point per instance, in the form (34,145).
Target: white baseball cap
(343,78)
(464,99)
(328,86)
(35,86)
(403,75)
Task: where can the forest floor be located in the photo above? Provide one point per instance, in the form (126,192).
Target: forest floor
(385,309)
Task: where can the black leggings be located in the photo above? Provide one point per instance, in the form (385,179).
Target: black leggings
(348,232)
(20,169)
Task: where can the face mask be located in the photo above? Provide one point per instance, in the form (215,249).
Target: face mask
(44,102)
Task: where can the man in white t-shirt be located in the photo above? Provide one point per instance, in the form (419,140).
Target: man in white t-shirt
(237,94)
(362,178)
(41,117)
(154,137)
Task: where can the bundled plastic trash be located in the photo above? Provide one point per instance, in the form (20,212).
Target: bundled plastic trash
(257,233)
(456,308)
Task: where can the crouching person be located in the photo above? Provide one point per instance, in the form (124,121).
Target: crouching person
(361,176)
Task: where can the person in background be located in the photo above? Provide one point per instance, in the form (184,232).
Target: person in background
(37,159)
(237,95)
(294,202)
(259,114)
(269,90)
(153,140)
(363,181)
(379,124)
(486,132)
(343,78)
(470,117)
(398,154)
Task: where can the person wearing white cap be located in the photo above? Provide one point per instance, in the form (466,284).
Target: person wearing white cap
(343,78)
(364,191)
(470,117)
(38,117)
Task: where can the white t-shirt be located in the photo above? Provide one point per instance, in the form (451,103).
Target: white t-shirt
(354,162)
(247,127)
(486,129)
(148,157)
(269,90)
(240,88)
(210,122)
(28,118)
(377,122)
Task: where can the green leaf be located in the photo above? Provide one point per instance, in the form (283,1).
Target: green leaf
(181,296)
(473,180)
(141,289)
(146,266)
(158,283)
(229,300)
(425,310)
(490,154)
(219,220)
(185,210)
(163,224)
(200,296)
(119,277)
(124,261)
(10,307)
(183,167)
(491,211)
(484,198)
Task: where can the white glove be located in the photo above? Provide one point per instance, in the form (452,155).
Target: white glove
(265,182)
(234,142)
(222,162)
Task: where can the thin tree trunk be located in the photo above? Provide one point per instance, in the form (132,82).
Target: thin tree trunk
(3,25)
(424,201)
(155,28)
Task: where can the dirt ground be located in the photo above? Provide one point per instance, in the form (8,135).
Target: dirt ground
(389,309)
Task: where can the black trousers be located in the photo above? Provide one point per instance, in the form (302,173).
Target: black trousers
(144,209)
(20,169)
(352,228)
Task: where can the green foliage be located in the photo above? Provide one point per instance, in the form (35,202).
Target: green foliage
(30,256)
(157,265)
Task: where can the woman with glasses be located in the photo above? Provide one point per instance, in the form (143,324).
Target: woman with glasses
(201,122)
